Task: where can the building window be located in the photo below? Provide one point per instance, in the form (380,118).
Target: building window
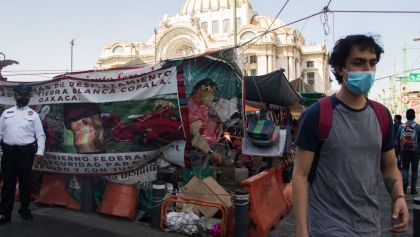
(253,59)
(118,50)
(226,26)
(247,36)
(184,51)
(215,27)
(310,64)
(311,79)
(205,27)
(253,72)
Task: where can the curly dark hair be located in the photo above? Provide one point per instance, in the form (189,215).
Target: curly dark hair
(206,82)
(343,47)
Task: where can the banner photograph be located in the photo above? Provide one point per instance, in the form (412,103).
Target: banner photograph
(106,127)
(211,108)
(125,123)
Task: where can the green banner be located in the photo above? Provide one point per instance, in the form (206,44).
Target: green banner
(413,77)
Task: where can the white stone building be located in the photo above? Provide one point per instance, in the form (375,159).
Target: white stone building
(208,25)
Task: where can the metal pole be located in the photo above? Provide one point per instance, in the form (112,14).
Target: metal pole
(158,193)
(87,201)
(241,213)
(235,25)
(416,216)
(404,50)
(155,45)
(71,55)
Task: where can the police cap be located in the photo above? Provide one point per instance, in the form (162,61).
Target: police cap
(22,88)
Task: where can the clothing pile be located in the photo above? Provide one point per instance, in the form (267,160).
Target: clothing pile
(261,132)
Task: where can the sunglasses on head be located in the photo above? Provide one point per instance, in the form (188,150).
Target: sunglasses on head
(209,87)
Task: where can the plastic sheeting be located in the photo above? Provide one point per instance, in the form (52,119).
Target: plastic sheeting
(274,88)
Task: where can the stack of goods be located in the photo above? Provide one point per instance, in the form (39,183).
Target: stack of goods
(262,132)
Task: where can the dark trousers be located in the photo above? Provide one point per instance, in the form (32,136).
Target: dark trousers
(407,160)
(17,161)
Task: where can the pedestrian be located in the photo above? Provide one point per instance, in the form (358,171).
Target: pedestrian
(23,141)
(397,123)
(341,198)
(407,136)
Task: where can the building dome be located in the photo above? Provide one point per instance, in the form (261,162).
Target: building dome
(267,21)
(198,6)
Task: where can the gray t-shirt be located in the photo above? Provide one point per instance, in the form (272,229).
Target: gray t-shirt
(343,196)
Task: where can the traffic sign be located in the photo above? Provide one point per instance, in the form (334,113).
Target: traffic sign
(405,99)
(413,77)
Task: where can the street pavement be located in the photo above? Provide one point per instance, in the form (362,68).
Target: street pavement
(62,222)
(286,227)
(58,221)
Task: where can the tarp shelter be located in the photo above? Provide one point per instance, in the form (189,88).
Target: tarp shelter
(272,88)
(311,97)
(300,86)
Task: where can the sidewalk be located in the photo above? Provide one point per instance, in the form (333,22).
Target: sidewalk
(286,227)
(58,221)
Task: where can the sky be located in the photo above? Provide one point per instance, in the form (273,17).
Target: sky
(37,34)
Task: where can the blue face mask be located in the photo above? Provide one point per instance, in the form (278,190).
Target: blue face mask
(360,82)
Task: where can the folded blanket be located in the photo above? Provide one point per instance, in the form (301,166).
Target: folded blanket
(260,129)
(266,142)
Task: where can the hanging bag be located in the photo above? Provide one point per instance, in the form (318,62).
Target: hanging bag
(266,142)
(408,138)
(260,129)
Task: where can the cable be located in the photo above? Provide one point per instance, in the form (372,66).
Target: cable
(304,24)
(291,23)
(333,27)
(324,21)
(35,70)
(395,74)
(278,14)
(416,61)
(323,11)
(33,74)
(357,11)
(328,3)
(274,20)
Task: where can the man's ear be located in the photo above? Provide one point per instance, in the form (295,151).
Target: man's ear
(339,70)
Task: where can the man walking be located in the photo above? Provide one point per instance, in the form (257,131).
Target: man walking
(407,136)
(397,123)
(341,198)
(22,140)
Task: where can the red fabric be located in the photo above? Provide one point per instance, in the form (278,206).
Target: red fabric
(326,117)
(382,117)
(209,128)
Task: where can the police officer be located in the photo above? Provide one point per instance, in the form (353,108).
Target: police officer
(23,141)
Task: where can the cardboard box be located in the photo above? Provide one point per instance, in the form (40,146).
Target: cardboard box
(207,189)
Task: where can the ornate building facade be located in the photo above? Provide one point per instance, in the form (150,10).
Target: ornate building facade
(208,25)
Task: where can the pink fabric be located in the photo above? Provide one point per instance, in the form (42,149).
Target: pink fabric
(216,230)
(209,128)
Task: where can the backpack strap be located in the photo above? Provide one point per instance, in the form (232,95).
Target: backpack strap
(325,117)
(325,124)
(382,116)
(325,120)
